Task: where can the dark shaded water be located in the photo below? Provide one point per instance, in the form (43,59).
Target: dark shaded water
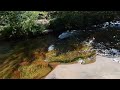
(106,42)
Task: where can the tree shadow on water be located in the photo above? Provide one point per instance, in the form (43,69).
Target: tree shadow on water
(67,44)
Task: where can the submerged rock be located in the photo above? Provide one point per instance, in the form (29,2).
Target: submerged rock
(51,47)
(66,34)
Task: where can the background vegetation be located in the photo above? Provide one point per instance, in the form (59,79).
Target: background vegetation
(22,24)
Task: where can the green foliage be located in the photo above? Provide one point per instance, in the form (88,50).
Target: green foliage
(57,24)
(43,15)
(20,23)
(81,19)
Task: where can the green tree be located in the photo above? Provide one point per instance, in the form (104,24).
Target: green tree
(19,23)
(81,19)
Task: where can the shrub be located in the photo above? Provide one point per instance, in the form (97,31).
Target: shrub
(80,19)
(20,23)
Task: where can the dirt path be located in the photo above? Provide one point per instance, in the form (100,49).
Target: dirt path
(103,68)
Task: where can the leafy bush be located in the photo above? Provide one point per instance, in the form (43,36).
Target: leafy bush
(20,23)
(80,19)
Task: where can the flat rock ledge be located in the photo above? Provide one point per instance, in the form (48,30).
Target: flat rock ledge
(103,68)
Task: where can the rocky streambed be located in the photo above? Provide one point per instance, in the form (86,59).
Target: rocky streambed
(106,49)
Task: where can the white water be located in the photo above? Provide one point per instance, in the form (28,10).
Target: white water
(114,54)
(115,24)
